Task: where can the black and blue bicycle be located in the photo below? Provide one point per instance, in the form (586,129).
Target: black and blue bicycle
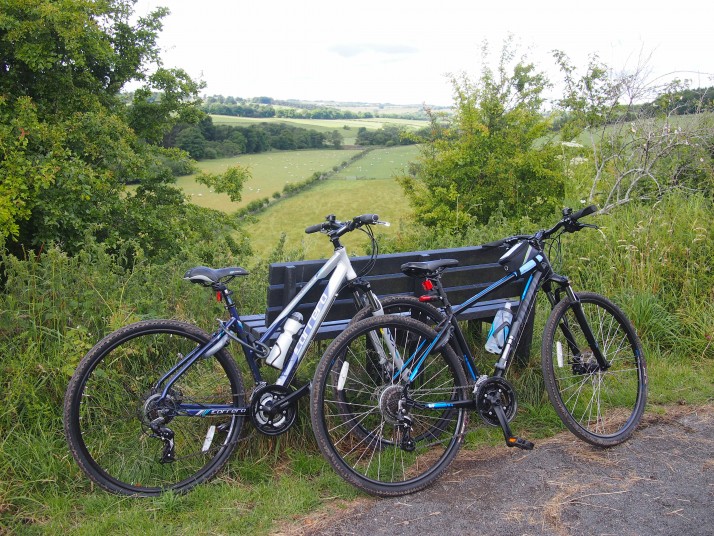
(391,395)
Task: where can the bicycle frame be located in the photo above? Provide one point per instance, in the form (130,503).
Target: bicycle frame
(534,270)
(341,270)
(539,274)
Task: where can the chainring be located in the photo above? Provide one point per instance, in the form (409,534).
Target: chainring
(268,422)
(499,388)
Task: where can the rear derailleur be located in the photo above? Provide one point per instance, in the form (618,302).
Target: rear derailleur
(404,423)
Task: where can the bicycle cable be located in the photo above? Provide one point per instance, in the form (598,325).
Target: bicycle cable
(555,245)
(373,254)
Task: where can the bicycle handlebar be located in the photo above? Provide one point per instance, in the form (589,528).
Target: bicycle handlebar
(569,222)
(331,224)
(584,212)
(314,228)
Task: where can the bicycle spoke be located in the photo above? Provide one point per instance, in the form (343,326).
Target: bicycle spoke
(363,420)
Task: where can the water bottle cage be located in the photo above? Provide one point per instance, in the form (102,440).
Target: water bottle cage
(504,325)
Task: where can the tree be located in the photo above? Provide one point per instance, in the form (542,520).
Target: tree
(336,139)
(192,141)
(637,152)
(485,158)
(169,98)
(69,143)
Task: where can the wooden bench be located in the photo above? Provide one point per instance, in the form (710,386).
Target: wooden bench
(478,267)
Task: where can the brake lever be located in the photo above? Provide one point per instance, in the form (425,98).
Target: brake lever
(385,223)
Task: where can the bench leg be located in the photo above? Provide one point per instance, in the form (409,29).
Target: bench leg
(523,350)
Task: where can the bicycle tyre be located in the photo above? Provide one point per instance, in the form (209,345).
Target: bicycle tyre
(602,408)
(109,397)
(409,306)
(365,447)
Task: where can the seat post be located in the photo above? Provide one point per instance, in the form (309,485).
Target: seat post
(436,278)
(226,296)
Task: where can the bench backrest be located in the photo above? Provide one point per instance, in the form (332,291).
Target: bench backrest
(478,267)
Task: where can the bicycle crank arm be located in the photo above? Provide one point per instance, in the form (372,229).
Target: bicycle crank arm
(291,398)
(511,440)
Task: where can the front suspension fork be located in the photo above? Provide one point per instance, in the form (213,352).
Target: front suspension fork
(582,322)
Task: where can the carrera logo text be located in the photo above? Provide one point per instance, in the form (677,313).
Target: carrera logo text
(310,326)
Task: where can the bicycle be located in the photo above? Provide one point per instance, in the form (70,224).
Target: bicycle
(395,430)
(160,404)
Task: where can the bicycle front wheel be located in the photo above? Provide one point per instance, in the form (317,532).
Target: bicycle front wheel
(113,397)
(369,414)
(600,406)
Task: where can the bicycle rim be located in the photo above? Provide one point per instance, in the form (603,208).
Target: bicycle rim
(355,407)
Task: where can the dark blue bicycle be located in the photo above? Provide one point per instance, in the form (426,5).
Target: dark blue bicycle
(160,404)
(391,395)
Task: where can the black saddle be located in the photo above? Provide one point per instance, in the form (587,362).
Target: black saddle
(205,275)
(427,268)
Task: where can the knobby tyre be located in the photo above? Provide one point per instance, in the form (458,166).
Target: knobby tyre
(355,419)
(602,407)
(408,306)
(111,398)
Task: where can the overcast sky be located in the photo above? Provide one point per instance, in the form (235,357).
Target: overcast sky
(401,51)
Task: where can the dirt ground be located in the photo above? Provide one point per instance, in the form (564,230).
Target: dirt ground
(660,482)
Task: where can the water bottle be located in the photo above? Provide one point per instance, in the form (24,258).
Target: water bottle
(277,354)
(499,329)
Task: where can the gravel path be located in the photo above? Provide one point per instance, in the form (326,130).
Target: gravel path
(660,482)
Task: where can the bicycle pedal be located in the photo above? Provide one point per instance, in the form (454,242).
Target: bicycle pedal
(519,443)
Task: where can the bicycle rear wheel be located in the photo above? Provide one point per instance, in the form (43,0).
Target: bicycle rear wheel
(602,407)
(111,399)
(408,306)
(356,413)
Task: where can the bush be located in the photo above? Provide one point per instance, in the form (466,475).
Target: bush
(53,309)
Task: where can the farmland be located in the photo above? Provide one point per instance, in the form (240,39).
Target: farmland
(344,198)
(347,127)
(269,173)
(366,185)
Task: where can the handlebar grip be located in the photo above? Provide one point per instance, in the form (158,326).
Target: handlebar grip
(314,228)
(367,218)
(584,212)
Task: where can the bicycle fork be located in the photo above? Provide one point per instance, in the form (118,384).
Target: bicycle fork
(582,322)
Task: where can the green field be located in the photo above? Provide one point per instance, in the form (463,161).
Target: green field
(270,172)
(345,199)
(322,125)
(380,163)
(365,186)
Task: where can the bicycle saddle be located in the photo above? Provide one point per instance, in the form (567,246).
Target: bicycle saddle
(427,268)
(204,274)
